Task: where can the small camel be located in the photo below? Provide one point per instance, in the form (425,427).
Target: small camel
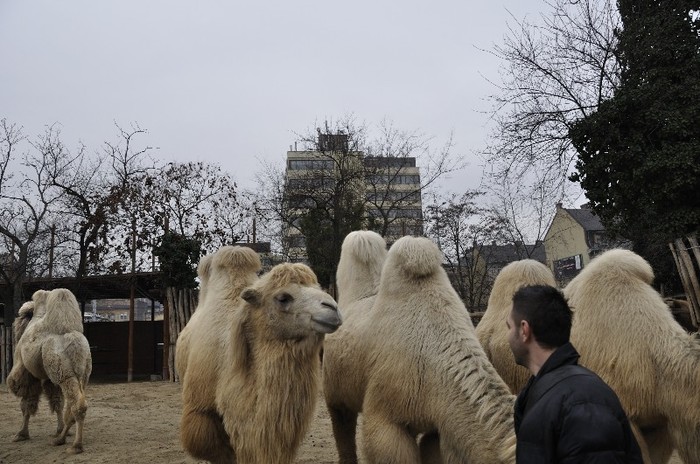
(52,355)
(265,373)
(491,329)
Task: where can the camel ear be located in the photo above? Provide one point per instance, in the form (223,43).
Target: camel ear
(252,296)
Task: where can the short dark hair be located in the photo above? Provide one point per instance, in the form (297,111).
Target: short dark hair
(546,310)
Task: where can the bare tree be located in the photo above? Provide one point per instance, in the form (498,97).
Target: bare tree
(26,202)
(394,155)
(523,210)
(199,201)
(461,228)
(554,73)
(94,188)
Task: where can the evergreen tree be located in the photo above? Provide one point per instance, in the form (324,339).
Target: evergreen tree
(639,154)
(178,256)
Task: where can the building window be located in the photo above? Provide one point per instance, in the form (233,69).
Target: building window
(405,179)
(311,165)
(390,162)
(393,195)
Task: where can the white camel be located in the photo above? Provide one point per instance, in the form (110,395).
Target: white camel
(52,355)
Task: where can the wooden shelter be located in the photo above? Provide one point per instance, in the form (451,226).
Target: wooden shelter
(119,349)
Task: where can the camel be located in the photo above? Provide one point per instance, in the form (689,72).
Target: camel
(423,370)
(265,366)
(51,355)
(230,269)
(616,311)
(357,277)
(491,330)
(625,333)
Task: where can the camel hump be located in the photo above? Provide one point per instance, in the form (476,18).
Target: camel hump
(622,263)
(417,256)
(289,273)
(26,311)
(204,266)
(242,259)
(364,246)
(24,317)
(526,272)
(60,311)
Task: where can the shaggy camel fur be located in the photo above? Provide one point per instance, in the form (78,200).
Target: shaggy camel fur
(224,274)
(52,355)
(359,269)
(230,269)
(426,371)
(266,372)
(491,330)
(626,334)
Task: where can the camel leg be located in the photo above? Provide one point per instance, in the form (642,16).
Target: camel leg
(429,445)
(659,443)
(55,396)
(344,430)
(387,442)
(203,436)
(74,412)
(29,405)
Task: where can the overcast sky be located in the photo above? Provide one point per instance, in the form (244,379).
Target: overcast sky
(233,82)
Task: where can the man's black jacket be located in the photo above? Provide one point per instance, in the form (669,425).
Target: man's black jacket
(567,414)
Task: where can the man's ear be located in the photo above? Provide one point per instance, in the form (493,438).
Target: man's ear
(525,330)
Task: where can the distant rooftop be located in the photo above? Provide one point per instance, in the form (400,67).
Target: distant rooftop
(587,218)
(504,254)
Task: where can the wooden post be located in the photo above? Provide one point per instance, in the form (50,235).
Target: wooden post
(696,254)
(3,373)
(166,320)
(166,335)
(172,301)
(688,278)
(130,370)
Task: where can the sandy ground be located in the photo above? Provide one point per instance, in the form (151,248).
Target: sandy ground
(128,423)
(131,423)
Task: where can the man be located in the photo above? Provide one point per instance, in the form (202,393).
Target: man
(565,413)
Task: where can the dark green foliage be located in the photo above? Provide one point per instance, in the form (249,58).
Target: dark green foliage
(639,154)
(325,229)
(178,256)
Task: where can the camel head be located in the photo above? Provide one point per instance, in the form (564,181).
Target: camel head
(288,304)
(24,316)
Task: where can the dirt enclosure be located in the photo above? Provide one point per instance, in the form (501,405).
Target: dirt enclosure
(128,423)
(131,423)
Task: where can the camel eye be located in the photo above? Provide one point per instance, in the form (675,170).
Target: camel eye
(284,298)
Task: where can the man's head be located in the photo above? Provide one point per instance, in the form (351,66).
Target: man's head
(540,315)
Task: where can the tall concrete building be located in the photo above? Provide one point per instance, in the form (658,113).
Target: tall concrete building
(335,176)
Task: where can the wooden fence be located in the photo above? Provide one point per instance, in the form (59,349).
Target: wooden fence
(181,304)
(5,351)
(686,254)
